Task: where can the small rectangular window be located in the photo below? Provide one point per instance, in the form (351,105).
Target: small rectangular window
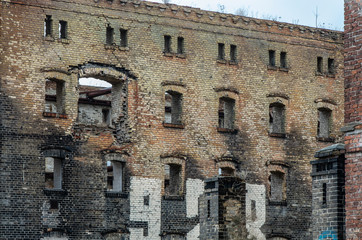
(114,176)
(272,58)
(276,118)
(173,107)
(123,37)
(253,211)
(63,28)
(208,208)
(331,69)
(324,122)
(48,26)
(109,35)
(277,186)
(221,51)
(54,96)
(319,65)
(172,179)
(180,45)
(324,193)
(167,47)
(53,173)
(233,53)
(105,116)
(283,60)
(226,113)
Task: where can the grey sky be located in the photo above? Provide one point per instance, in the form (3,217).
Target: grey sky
(330,12)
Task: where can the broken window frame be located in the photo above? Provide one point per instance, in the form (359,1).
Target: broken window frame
(109,35)
(175,110)
(173,180)
(277,186)
(115,176)
(226,113)
(53,173)
(283,60)
(221,52)
(277,112)
(167,44)
(59,97)
(63,29)
(324,125)
(48,26)
(123,37)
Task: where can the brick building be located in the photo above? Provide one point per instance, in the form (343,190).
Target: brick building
(353,117)
(196,99)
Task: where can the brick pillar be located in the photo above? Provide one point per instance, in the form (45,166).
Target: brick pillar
(353,117)
(328,193)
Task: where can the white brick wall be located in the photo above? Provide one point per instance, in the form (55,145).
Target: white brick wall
(257,193)
(194,188)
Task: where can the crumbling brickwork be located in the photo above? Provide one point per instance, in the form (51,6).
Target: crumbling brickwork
(217,67)
(353,117)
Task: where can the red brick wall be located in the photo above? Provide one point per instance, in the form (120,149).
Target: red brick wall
(353,113)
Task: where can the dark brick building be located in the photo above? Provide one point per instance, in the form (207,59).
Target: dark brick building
(193,98)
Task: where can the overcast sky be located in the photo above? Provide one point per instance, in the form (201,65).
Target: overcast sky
(303,12)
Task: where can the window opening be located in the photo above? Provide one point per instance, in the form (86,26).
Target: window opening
(180,45)
(276,118)
(63,28)
(54,205)
(53,173)
(173,107)
(167,47)
(226,113)
(233,53)
(114,176)
(331,69)
(48,26)
(123,37)
(272,58)
(109,35)
(324,122)
(54,96)
(324,193)
(283,60)
(105,116)
(172,181)
(208,208)
(221,51)
(319,64)
(277,186)
(253,210)
(226,171)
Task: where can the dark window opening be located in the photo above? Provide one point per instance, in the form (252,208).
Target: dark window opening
(324,122)
(48,31)
(54,205)
(53,173)
(173,107)
(324,193)
(105,116)
(276,118)
(180,45)
(208,208)
(324,167)
(226,113)
(146,200)
(123,38)
(63,28)
(54,96)
(172,181)
(167,47)
(272,58)
(221,51)
(109,35)
(331,68)
(319,64)
(114,176)
(253,211)
(226,171)
(233,53)
(277,186)
(283,60)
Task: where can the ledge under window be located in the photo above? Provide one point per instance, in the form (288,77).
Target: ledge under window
(331,75)
(278,135)
(325,139)
(168,54)
(222,61)
(123,48)
(49,38)
(63,40)
(110,46)
(277,203)
(55,192)
(112,194)
(55,115)
(233,62)
(227,130)
(172,125)
(284,69)
(174,198)
(318,73)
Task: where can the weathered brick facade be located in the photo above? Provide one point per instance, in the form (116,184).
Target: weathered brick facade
(247,99)
(353,117)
